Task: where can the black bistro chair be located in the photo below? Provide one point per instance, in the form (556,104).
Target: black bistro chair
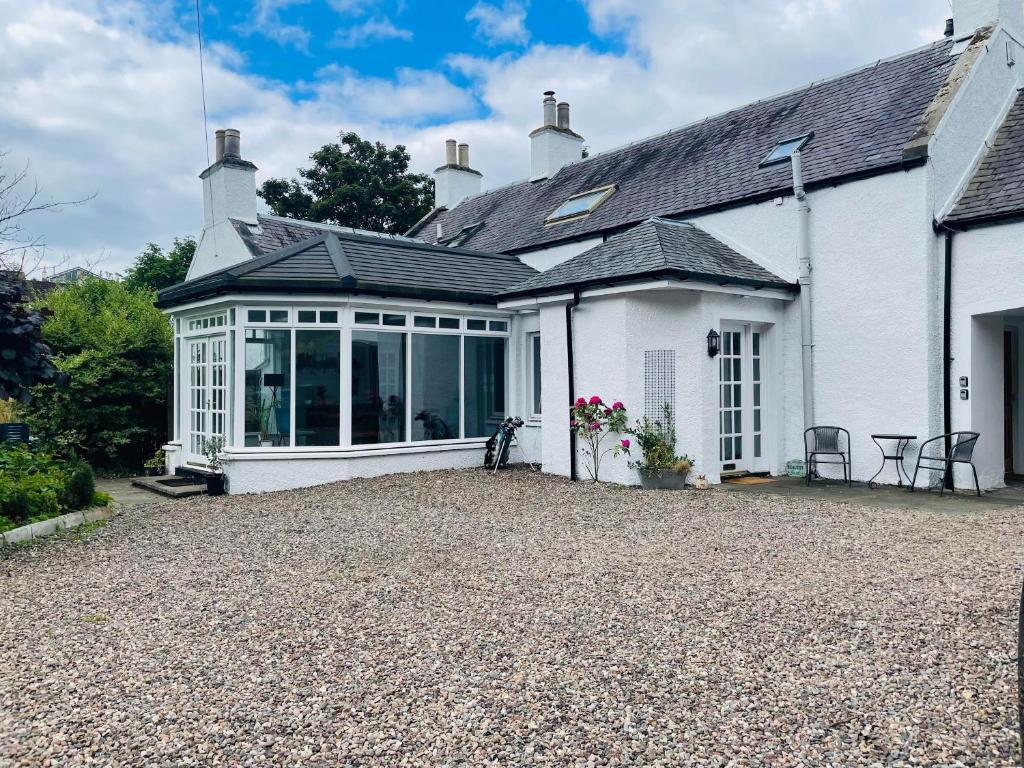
(827,441)
(961,451)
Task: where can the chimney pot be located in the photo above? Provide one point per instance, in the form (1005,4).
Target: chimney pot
(549,107)
(464,155)
(949,28)
(563,114)
(232,143)
(450,156)
(219,134)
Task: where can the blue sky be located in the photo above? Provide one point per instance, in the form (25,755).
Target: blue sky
(103,97)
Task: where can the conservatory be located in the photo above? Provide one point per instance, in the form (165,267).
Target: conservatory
(357,354)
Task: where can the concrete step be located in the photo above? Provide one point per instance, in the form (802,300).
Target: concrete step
(173,486)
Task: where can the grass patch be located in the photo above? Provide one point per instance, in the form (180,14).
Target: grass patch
(94,618)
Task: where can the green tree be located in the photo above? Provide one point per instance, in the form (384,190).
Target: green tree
(355,183)
(154,269)
(116,349)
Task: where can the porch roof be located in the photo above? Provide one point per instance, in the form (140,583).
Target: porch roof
(656,248)
(351,263)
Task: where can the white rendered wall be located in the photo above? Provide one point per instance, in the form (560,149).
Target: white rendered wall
(228,193)
(988,295)
(452,186)
(268,473)
(545,258)
(550,149)
(969,15)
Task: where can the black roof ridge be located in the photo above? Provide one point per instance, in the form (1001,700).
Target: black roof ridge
(420,245)
(342,266)
(336,228)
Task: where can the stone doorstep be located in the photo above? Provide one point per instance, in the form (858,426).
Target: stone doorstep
(54,524)
(173,491)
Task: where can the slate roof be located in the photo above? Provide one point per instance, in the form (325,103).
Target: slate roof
(862,122)
(348,263)
(656,248)
(997,188)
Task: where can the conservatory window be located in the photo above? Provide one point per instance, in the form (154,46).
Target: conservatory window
(378,387)
(317,387)
(435,386)
(267,387)
(485,383)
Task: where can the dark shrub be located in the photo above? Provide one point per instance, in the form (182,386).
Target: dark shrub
(81,487)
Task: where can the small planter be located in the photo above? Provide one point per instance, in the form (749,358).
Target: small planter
(666,480)
(215,485)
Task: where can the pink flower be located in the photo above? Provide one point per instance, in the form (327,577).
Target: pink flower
(572,423)
(580,402)
(625,444)
(595,400)
(607,412)
(617,406)
(594,427)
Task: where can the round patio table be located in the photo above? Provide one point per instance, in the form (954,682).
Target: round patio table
(895,455)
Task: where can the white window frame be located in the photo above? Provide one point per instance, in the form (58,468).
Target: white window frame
(531,378)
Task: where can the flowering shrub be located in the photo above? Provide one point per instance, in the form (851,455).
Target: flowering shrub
(592,421)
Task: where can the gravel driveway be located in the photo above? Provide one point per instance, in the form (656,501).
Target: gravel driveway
(457,619)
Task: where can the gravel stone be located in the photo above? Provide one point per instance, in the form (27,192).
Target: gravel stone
(455,618)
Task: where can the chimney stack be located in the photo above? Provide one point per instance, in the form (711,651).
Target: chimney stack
(971,15)
(554,144)
(455,180)
(563,115)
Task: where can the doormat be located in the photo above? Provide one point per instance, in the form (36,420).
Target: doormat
(750,480)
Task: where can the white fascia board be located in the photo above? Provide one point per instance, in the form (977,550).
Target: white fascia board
(651,285)
(267,299)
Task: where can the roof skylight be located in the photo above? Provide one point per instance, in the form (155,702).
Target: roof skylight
(580,204)
(785,148)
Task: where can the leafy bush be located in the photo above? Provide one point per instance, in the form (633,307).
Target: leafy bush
(591,421)
(657,441)
(35,486)
(81,486)
(24,359)
(116,348)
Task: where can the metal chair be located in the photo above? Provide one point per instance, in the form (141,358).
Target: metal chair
(826,441)
(961,451)
(14,432)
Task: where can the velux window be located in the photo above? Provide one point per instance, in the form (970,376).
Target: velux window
(785,148)
(580,204)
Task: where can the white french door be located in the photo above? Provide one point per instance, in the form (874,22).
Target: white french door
(742,417)
(207,389)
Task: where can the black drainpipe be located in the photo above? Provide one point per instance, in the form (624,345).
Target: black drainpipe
(572,375)
(947,346)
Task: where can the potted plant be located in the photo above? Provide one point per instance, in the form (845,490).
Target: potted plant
(660,468)
(156,465)
(215,481)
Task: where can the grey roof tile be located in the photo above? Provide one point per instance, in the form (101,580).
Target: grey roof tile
(861,120)
(657,247)
(341,262)
(997,188)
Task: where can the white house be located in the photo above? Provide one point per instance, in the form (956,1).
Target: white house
(856,243)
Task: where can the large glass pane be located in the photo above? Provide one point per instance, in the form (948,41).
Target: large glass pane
(435,387)
(317,387)
(268,380)
(485,385)
(378,387)
(535,371)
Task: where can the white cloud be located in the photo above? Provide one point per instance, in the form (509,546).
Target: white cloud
(100,103)
(368,32)
(498,24)
(266,20)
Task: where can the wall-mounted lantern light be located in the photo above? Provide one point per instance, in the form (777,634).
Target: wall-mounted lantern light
(712,342)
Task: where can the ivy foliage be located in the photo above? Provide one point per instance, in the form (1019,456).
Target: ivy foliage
(116,349)
(25,360)
(355,183)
